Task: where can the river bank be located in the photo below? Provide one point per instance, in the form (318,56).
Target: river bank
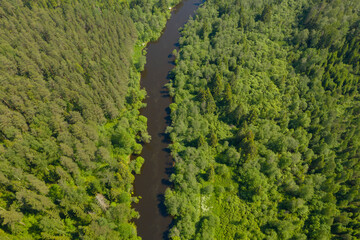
(153,180)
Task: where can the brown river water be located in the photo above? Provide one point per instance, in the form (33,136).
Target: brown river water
(154,222)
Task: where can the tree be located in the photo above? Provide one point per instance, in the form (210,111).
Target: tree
(266,14)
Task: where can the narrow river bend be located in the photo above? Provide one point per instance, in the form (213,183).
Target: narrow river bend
(153,180)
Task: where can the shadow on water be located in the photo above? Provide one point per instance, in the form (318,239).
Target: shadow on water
(168,122)
(155,222)
(165,94)
(161,205)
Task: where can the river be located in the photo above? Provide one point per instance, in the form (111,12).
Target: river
(153,180)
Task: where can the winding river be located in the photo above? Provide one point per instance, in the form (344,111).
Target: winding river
(153,180)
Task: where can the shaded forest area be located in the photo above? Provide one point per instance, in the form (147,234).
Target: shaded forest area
(266,121)
(69,119)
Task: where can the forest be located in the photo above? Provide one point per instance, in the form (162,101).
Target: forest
(69,115)
(266,121)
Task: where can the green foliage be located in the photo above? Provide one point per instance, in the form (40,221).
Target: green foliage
(269,91)
(69,119)
(137,164)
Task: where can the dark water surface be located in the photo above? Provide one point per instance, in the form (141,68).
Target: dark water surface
(153,180)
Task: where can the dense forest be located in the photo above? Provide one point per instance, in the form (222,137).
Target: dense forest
(69,119)
(265,117)
(266,121)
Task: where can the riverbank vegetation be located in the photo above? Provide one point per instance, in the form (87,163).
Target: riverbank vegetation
(265,122)
(69,119)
